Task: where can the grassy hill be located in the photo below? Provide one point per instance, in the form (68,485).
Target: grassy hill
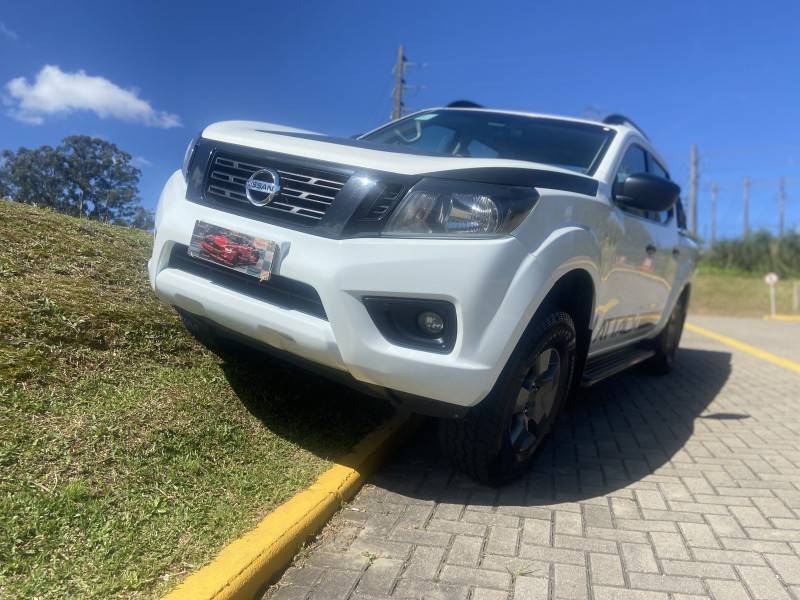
(129,453)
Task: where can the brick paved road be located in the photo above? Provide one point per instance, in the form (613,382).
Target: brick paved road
(680,488)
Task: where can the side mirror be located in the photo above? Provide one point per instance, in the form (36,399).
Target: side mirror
(645,191)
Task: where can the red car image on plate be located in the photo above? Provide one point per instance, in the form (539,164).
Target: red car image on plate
(229,251)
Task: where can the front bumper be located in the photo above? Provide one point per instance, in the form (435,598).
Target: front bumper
(476,276)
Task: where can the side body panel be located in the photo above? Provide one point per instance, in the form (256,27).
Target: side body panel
(639,271)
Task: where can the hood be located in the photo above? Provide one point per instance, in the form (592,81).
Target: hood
(356,153)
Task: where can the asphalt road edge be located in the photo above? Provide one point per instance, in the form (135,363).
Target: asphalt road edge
(247,565)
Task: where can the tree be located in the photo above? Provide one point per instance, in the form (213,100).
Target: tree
(82,176)
(758,254)
(101,182)
(33,176)
(142,219)
(5,184)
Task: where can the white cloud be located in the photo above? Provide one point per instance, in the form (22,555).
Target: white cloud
(140,162)
(56,92)
(8,33)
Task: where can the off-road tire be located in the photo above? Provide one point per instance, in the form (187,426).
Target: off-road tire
(480,443)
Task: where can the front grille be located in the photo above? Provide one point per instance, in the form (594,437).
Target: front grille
(306,193)
(278,290)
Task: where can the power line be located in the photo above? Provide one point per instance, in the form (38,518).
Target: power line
(750,150)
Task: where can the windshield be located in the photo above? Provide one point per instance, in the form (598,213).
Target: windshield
(482,134)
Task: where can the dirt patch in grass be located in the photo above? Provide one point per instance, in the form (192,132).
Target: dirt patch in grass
(130,455)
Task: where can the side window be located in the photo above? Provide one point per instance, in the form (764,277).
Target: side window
(654,167)
(633,162)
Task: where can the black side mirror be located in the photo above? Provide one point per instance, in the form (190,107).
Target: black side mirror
(645,191)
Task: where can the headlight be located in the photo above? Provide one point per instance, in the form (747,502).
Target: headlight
(443,208)
(187,156)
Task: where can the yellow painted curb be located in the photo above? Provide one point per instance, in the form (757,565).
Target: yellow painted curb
(782,318)
(762,354)
(246,565)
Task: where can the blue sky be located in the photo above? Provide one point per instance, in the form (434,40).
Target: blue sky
(723,75)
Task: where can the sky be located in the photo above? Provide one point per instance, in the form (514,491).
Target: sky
(149,75)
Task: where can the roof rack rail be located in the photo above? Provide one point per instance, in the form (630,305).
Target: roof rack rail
(464,104)
(618,119)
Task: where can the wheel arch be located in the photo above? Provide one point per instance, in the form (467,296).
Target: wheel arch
(572,285)
(574,293)
(569,258)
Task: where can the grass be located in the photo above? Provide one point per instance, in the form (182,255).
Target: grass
(129,453)
(722,292)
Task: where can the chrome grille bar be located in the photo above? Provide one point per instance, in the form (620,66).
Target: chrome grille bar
(251,168)
(305,194)
(311,197)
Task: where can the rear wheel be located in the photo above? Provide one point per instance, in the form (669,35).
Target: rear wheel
(498,439)
(666,343)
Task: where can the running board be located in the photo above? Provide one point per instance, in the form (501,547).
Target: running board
(606,365)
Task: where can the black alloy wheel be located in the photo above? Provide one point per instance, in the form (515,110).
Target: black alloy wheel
(536,400)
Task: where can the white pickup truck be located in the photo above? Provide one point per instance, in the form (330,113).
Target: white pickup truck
(475,265)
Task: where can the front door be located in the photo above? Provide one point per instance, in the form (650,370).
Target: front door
(635,290)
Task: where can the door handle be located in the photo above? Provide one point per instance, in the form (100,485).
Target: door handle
(651,249)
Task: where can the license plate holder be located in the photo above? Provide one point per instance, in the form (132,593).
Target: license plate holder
(233,250)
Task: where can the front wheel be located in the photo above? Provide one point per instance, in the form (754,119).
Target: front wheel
(498,439)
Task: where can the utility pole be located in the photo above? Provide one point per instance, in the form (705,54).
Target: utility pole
(693,177)
(781,205)
(746,208)
(714,192)
(399,84)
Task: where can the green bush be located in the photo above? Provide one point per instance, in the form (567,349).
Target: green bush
(758,254)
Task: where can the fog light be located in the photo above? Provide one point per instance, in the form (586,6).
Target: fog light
(417,323)
(430,322)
